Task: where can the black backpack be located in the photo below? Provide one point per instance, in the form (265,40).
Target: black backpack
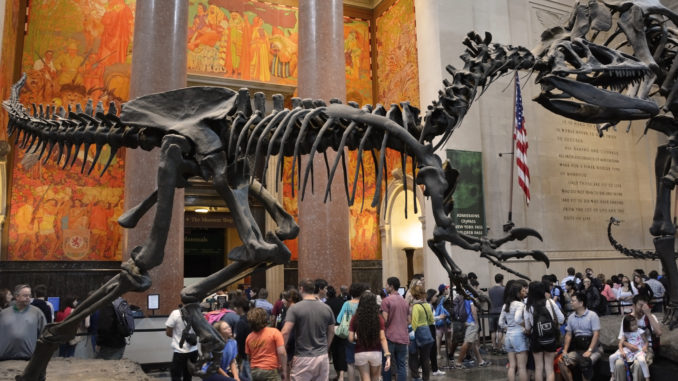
(458,312)
(545,330)
(124,317)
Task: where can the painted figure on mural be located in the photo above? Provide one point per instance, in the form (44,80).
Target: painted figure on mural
(75,214)
(236,34)
(26,227)
(44,65)
(283,55)
(47,228)
(70,66)
(92,11)
(100,213)
(259,69)
(117,22)
(211,32)
(199,21)
(352,54)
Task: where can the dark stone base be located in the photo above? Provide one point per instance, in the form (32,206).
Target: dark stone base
(60,369)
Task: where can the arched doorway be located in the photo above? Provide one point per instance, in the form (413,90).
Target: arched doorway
(399,232)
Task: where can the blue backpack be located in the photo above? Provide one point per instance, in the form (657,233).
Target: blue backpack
(440,310)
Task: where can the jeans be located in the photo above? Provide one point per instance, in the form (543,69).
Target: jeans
(398,362)
(245,370)
(66,350)
(421,358)
(179,368)
(110,353)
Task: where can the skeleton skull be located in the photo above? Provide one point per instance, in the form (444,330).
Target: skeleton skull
(583,71)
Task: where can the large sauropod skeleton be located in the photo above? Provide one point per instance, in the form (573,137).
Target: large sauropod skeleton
(217,134)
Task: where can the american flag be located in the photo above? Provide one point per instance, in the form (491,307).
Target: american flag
(520,138)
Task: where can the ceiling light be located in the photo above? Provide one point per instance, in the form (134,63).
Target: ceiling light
(202,210)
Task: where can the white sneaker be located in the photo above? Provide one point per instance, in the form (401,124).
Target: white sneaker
(438,373)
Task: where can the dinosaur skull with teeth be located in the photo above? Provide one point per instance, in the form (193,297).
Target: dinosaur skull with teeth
(575,76)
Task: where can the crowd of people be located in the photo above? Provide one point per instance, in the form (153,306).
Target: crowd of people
(548,329)
(26,311)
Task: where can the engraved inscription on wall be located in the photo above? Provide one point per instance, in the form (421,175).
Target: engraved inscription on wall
(590,172)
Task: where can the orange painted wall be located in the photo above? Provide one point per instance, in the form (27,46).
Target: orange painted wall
(73,51)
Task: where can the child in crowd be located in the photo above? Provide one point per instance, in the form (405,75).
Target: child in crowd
(632,346)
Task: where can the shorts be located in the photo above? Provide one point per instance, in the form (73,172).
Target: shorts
(310,368)
(458,331)
(494,323)
(515,342)
(350,352)
(373,358)
(471,334)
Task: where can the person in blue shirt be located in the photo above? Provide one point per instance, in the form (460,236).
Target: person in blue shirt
(470,337)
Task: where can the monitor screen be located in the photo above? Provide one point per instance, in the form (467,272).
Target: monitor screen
(55,302)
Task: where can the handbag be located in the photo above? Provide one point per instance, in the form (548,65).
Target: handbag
(341,330)
(581,343)
(422,335)
(555,321)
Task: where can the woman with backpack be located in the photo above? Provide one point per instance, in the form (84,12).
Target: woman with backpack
(442,319)
(367,332)
(67,306)
(515,342)
(348,309)
(422,318)
(542,321)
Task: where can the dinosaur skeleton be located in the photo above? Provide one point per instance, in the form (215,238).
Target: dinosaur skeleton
(219,134)
(580,69)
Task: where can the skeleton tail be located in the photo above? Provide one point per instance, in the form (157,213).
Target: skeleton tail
(48,128)
(640,254)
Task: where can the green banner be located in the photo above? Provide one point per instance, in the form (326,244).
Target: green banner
(469,204)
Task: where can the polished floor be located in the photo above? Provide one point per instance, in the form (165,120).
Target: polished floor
(494,372)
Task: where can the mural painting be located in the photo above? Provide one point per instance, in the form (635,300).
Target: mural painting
(248,40)
(397,79)
(358,60)
(397,69)
(363,221)
(8,55)
(71,54)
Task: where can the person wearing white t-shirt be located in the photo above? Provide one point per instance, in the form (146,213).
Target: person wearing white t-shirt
(174,327)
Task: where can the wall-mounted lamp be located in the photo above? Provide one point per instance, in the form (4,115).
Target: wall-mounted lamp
(202,210)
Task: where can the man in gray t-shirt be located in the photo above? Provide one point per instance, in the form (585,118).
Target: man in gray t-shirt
(496,294)
(20,326)
(312,322)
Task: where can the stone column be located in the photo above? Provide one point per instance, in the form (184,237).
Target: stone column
(158,64)
(324,247)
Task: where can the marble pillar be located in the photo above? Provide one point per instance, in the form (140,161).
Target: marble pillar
(324,247)
(158,64)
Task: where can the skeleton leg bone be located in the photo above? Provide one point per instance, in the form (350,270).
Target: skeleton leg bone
(287,227)
(661,221)
(133,277)
(665,250)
